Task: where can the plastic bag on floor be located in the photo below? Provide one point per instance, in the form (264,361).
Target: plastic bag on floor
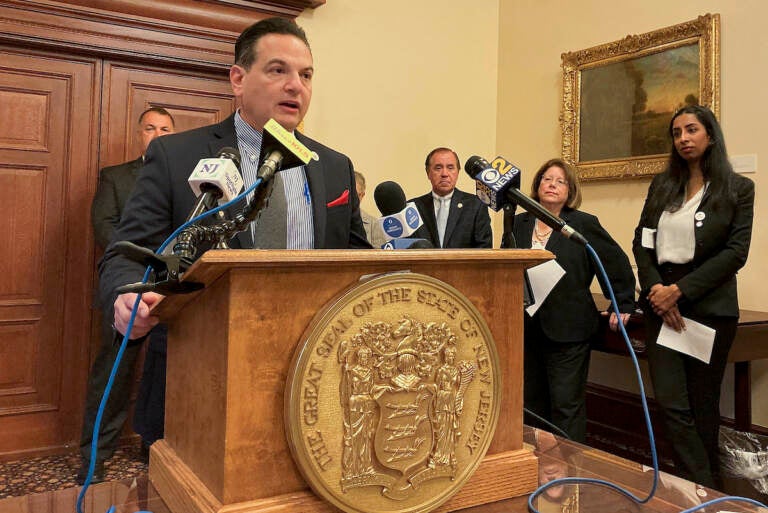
(745,455)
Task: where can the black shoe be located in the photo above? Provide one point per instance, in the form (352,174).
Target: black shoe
(98,473)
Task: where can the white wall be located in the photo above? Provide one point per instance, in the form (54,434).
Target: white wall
(395,79)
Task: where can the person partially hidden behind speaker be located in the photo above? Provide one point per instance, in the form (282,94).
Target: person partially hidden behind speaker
(452,218)
(311,206)
(115,185)
(557,337)
(373,230)
(693,236)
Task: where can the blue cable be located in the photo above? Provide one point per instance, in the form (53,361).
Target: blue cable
(126,337)
(725,499)
(649,427)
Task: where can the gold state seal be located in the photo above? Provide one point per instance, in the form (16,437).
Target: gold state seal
(392,398)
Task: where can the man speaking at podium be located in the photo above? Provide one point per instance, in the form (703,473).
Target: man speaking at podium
(312,206)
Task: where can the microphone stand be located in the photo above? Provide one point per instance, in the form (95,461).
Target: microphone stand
(220,233)
(169,269)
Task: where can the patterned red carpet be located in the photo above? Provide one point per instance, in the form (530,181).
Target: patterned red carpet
(50,473)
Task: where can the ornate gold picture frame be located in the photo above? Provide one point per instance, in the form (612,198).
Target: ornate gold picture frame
(619,97)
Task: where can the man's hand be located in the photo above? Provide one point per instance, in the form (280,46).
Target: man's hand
(144,321)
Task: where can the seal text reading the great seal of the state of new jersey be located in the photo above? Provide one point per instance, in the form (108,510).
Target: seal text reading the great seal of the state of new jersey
(393,395)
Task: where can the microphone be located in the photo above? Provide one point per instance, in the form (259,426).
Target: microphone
(280,150)
(215,179)
(399,220)
(389,198)
(494,188)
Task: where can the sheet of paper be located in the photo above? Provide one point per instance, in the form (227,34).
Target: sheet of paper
(648,238)
(543,279)
(695,340)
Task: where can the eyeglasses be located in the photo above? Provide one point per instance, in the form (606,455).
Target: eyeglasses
(558,181)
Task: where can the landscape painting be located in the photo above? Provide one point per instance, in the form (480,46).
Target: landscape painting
(619,97)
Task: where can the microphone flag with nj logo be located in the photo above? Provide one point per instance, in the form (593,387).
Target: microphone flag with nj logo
(219,175)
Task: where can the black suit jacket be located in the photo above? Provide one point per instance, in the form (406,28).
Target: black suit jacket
(162,199)
(722,246)
(468,224)
(569,313)
(115,186)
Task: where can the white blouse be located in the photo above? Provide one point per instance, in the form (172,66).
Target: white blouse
(675,236)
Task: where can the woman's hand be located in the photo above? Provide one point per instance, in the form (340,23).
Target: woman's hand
(613,321)
(663,297)
(673,319)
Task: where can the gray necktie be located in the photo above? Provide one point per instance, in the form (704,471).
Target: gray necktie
(442,218)
(270,230)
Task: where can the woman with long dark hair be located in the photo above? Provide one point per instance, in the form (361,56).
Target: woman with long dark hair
(693,236)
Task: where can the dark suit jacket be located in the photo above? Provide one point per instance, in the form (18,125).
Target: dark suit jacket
(115,185)
(162,199)
(722,246)
(468,224)
(569,313)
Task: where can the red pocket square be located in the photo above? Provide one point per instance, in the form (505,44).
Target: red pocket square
(341,200)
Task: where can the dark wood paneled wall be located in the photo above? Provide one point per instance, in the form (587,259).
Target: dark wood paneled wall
(74,76)
(47,160)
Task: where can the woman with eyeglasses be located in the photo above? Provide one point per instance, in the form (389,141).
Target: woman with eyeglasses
(692,238)
(558,335)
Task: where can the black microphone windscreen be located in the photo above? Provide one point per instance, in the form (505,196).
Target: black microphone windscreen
(389,198)
(228,152)
(474,165)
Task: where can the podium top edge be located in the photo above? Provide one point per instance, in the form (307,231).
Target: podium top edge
(214,264)
(320,257)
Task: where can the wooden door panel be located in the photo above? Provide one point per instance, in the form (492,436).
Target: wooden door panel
(17,378)
(22,192)
(47,161)
(193,101)
(48,174)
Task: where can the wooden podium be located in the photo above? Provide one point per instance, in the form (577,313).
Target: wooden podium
(230,346)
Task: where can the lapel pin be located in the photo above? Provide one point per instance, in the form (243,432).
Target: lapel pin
(700,216)
(460,205)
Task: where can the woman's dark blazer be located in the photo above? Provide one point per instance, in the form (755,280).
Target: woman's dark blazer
(722,246)
(569,313)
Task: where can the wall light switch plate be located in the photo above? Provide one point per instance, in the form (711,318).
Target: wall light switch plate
(744,163)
